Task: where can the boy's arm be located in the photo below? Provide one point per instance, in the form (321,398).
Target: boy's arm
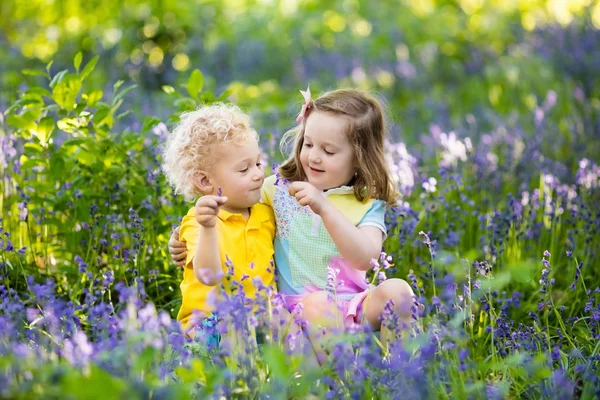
(207,260)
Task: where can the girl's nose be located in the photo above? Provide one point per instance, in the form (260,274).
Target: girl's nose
(314,157)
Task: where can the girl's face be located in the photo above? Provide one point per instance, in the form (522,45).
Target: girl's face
(327,157)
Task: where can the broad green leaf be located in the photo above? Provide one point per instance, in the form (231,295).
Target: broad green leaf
(497,282)
(33,147)
(17,121)
(523,271)
(195,83)
(65,92)
(85,157)
(185,104)
(93,97)
(88,68)
(77,61)
(44,129)
(57,166)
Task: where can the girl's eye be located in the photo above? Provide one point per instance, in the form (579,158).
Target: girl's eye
(244,170)
(328,153)
(307,145)
(259,164)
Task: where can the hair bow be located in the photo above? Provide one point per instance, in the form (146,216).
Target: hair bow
(305,106)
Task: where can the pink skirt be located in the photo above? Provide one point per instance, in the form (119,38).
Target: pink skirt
(350,282)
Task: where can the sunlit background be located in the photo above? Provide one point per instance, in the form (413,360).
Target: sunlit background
(434,60)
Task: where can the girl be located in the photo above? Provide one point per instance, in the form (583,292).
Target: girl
(329,202)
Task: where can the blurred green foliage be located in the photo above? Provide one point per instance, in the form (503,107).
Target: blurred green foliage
(436,61)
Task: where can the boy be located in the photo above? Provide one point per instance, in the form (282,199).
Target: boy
(214,153)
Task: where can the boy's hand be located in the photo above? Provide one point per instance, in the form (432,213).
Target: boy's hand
(177,248)
(308,195)
(207,209)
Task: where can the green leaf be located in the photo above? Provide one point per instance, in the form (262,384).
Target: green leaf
(94,96)
(497,282)
(117,85)
(88,68)
(277,362)
(44,129)
(185,104)
(195,83)
(65,92)
(58,78)
(168,89)
(122,93)
(523,271)
(33,147)
(17,121)
(57,166)
(34,72)
(149,123)
(77,61)
(48,66)
(224,95)
(85,157)
(98,383)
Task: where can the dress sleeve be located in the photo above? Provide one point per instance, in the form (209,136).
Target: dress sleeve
(189,232)
(375,217)
(268,191)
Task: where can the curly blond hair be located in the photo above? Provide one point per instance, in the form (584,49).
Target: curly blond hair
(190,147)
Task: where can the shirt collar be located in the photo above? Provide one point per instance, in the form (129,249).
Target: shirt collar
(339,190)
(255,213)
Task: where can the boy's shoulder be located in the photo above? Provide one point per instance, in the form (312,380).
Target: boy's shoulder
(262,213)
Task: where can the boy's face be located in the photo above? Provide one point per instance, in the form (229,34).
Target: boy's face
(239,174)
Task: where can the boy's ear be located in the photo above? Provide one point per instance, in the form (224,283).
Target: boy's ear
(203,182)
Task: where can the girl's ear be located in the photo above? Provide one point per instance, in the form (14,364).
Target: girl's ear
(203,182)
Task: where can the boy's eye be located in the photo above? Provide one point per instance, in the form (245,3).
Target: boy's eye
(259,164)
(307,145)
(244,170)
(329,153)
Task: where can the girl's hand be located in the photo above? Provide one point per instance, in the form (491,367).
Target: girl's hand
(177,248)
(308,195)
(207,209)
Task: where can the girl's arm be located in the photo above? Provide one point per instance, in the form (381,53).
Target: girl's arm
(357,245)
(207,259)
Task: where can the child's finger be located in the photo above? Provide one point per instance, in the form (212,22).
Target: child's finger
(295,187)
(221,200)
(207,211)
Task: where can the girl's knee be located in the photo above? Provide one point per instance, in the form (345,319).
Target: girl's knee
(317,307)
(397,290)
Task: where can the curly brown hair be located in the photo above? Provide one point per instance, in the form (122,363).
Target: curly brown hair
(366,133)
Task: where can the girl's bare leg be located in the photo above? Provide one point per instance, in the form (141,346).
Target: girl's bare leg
(400,294)
(320,313)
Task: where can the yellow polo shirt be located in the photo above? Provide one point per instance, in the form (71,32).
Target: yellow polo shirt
(247,243)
